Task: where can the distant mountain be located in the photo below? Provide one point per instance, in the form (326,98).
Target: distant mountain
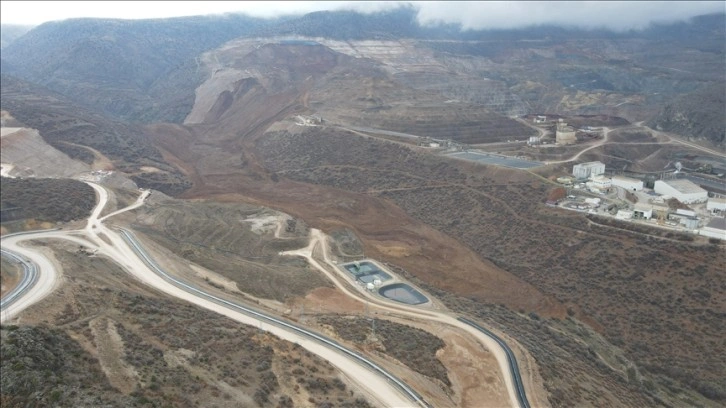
(119,66)
(11,32)
(350,25)
(147,70)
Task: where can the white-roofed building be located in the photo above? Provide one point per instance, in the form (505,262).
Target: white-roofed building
(627,183)
(599,183)
(624,215)
(716,205)
(715,229)
(585,170)
(682,190)
(642,210)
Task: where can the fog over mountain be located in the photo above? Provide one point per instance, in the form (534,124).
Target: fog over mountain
(614,15)
(438,140)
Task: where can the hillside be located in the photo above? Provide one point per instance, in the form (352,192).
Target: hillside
(45,200)
(147,70)
(292,114)
(123,67)
(32,156)
(103,339)
(73,130)
(11,32)
(698,116)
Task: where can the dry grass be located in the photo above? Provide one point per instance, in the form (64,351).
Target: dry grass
(181,355)
(654,298)
(413,347)
(222,238)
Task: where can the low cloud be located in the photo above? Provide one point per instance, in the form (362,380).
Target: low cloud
(614,15)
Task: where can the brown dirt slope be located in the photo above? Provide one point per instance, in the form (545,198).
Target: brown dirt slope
(481,235)
(136,352)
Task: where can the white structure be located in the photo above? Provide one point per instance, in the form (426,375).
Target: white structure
(682,190)
(599,183)
(585,170)
(716,205)
(564,134)
(687,213)
(629,184)
(644,211)
(715,229)
(593,201)
(624,215)
(685,220)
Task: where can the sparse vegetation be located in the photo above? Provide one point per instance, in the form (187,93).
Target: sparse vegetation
(413,347)
(606,272)
(224,239)
(64,125)
(172,353)
(43,366)
(614,315)
(53,200)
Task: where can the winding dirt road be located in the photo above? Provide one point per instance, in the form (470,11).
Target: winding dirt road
(106,242)
(318,239)
(639,126)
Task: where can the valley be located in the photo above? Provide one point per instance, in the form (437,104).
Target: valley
(236,177)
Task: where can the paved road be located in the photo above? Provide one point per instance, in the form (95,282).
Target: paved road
(414,396)
(514,367)
(379,385)
(490,342)
(29,278)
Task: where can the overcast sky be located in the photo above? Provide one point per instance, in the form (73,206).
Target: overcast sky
(616,15)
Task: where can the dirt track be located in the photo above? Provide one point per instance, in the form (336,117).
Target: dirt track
(108,243)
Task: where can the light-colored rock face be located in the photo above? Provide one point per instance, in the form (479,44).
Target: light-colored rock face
(225,66)
(24,153)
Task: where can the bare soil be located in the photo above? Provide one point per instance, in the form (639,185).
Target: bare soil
(185,358)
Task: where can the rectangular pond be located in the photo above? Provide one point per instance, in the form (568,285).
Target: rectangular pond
(496,160)
(366,272)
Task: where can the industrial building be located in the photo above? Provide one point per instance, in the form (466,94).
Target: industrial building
(627,183)
(643,211)
(624,215)
(682,190)
(585,170)
(687,218)
(715,229)
(599,183)
(716,205)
